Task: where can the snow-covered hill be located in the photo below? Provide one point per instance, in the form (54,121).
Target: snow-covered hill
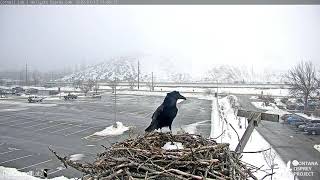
(122,68)
(230,74)
(126,68)
(168,69)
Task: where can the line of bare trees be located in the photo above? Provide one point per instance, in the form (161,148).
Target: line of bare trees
(304,79)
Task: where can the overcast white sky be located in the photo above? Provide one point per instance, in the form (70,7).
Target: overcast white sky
(199,37)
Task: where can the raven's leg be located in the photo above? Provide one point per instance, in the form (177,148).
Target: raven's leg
(171,135)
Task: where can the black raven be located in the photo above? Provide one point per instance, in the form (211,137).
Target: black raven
(166,112)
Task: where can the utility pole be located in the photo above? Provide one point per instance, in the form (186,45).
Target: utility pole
(217,93)
(138,74)
(115,100)
(152,88)
(26,74)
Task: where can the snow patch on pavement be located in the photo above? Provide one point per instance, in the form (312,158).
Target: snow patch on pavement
(13,174)
(317,147)
(10,110)
(76,157)
(116,129)
(192,128)
(175,145)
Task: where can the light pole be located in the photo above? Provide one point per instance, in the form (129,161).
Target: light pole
(138,74)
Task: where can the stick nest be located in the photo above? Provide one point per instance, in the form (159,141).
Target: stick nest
(144,158)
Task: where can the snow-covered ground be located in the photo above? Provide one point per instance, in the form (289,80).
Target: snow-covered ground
(224,118)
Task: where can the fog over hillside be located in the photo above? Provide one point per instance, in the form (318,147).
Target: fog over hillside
(125,68)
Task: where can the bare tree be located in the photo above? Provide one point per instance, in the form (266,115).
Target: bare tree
(269,157)
(87,86)
(90,83)
(77,84)
(96,86)
(303,81)
(85,89)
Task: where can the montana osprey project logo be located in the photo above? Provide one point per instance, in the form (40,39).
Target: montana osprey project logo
(302,168)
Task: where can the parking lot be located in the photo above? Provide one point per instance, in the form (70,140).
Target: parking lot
(28,129)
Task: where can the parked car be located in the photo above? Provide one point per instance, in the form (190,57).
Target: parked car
(300,106)
(17,90)
(302,126)
(32,91)
(291,106)
(285,117)
(53,92)
(300,122)
(313,128)
(96,95)
(34,99)
(312,105)
(293,119)
(70,96)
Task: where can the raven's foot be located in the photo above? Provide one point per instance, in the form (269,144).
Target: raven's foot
(171,138)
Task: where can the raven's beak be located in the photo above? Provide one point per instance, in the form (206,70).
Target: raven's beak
(182,97)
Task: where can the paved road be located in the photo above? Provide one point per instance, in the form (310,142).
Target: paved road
(289,143)
(28,129)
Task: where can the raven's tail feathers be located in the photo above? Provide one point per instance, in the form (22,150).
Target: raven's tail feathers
(150,128)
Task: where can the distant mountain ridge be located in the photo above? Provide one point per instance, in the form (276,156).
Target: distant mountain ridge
(125,68)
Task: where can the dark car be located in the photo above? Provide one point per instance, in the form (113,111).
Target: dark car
(70,96)
(291,106)
(53,92)
(313,128)
(17,90)
(32,91)
(303,126)
(294,120)
(300,106)
(300,122)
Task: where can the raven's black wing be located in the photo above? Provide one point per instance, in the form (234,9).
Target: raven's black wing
(155,121)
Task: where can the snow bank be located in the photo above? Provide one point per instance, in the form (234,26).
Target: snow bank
(308,117)
(116,129)
(279,112)
(170,146)
(13,174)
(223,119)
(260,105)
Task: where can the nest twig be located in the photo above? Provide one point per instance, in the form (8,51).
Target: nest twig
(144,158)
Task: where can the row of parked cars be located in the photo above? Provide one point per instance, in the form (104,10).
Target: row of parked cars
(303,124)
